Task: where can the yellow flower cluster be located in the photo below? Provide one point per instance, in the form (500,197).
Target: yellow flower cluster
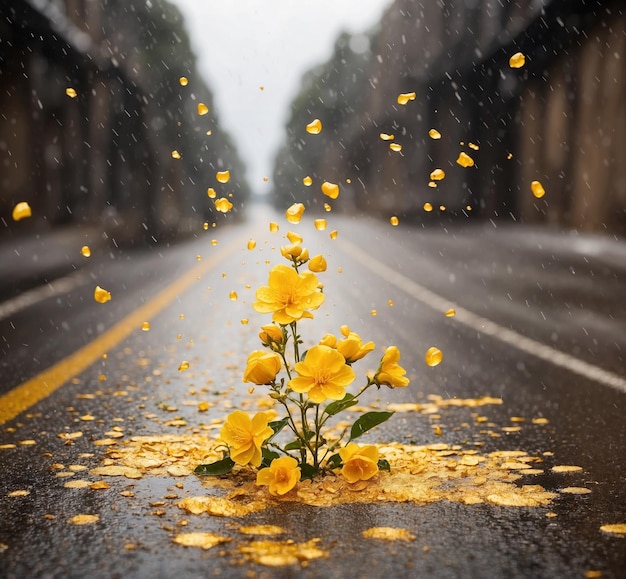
(312,391)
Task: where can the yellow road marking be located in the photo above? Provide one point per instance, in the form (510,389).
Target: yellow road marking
(41,386)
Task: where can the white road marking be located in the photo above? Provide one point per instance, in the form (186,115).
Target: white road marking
(484,325)
(55,288)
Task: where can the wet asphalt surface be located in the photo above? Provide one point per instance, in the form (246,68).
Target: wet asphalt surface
(563,292)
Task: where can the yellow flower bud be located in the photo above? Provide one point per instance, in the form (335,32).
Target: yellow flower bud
(271,334)
(390,372)
(329,340)
(317,264)
(262,367)
(292,251)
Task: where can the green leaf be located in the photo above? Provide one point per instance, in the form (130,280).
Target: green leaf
(384,465)
(268,456)
(339,405)
(294,445)
(367,421)
(223,466)
(308,471)
(334,461)
(277,426)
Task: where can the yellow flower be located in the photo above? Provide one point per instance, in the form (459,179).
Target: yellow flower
(271,335)
(281,476)
(353,349)
(245,436)
(318,264)
(359,463)
(289,295)
(262,367)
(322,374)
(390,372)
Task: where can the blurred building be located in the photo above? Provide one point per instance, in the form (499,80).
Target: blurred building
(89,120)
(560,119)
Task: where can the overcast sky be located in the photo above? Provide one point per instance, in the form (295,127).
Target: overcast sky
(243,45)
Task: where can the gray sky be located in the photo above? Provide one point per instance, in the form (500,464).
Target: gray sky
(243,45)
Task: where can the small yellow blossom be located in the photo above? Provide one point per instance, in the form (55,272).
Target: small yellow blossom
(329,340)
(359,463)
(281,476)
(289,295)
(353,348)
(295,252)
(271,335)
(322,374)
(318,264)
(390,372)
(262,367)
(245,435)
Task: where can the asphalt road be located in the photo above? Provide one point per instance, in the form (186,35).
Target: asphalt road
(539,324)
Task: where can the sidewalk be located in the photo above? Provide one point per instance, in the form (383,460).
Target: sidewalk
(27,261)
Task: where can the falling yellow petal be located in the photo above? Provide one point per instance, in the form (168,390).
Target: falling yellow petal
(232,296)
(428,207)
(320,224)
(465,160)
(21,211)
(223,176)
(433,356)
(294,213)
(70,92)
(101,295)
(211,193)
(307,181)
(517,60)
(333,234)
(145,326)
(434,134)
(395,147)
(314,127)
(327,207)
(184,365)
(537,189)
(273,227)
(251,244)
(183,81)
(394,220)
(176,154)
(432,184)
(437,175)
(473,146)
(330,189)
(404,98)
(223,205)
(202,109)
(293,237)
(386,137)
(450,313)
(85,251)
